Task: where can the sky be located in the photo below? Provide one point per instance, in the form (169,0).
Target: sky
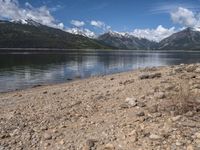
(152,19)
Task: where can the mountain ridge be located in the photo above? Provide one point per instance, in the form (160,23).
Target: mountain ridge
(187,39)
(125,41)
(31,34)
(19,35)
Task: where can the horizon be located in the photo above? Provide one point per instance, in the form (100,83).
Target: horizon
(151,20)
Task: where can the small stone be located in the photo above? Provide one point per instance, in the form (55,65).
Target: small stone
(178,69)
(197,70)
(191,68)
(47,136)
(196,86)
(160,95)
(3,136)
(155,115)
(89,144)
(178,144)
(46,144)
(109,147)
(62,142)
(155,137)
(144,76)
(124,106)
(134,135)
(140,113)
(197,135)
(190,147)
(131,101)
(45,92)
(155,75)
(177,118)
(141,104)
(44,128)
(189,114)
(169,87)
(153,109)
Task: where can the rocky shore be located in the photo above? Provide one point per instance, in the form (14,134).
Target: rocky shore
(147,109)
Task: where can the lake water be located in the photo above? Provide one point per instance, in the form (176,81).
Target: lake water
(19,71)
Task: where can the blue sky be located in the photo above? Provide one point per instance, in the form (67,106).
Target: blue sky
(116,15)
(120,14)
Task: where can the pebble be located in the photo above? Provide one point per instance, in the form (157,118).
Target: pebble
(189,114)
(45,92)
(160,95)
(124,106)
(177,118)
(141,104)
(190,147)
(62,142)
(153,109)
(178,144)
(155,137)
(140,113)
(191,68)
(47,136)
(109,147)
(89,144)
(132,102)
(197,135)
(197,70)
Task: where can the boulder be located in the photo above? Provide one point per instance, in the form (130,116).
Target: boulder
(149,75)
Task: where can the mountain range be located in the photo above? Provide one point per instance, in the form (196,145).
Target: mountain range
(30,34)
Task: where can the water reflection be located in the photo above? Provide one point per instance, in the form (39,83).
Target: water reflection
(20,71)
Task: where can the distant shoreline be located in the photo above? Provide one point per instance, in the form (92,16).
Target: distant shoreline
(56,50)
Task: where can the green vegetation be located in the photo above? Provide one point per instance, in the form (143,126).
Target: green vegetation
(17,35)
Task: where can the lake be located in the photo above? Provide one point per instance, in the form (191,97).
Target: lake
(19,71)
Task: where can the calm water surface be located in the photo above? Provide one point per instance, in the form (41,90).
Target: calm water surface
(18,71)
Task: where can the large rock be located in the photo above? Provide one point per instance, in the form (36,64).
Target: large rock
(149,76)
(191,68)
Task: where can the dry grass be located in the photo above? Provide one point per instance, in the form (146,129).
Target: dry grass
(185,100)
(182,100)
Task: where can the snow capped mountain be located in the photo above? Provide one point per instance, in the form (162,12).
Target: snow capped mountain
(27,22)
(30,34)
(83,32)
(126,41)
(187,39)
(120,34)
(196,29)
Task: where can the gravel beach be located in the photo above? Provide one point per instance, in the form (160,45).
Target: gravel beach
(147,109)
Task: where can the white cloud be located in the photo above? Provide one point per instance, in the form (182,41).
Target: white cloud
(10,9)
(154,34)
(77,23)
(100,24)
(184,17)
(84,32)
